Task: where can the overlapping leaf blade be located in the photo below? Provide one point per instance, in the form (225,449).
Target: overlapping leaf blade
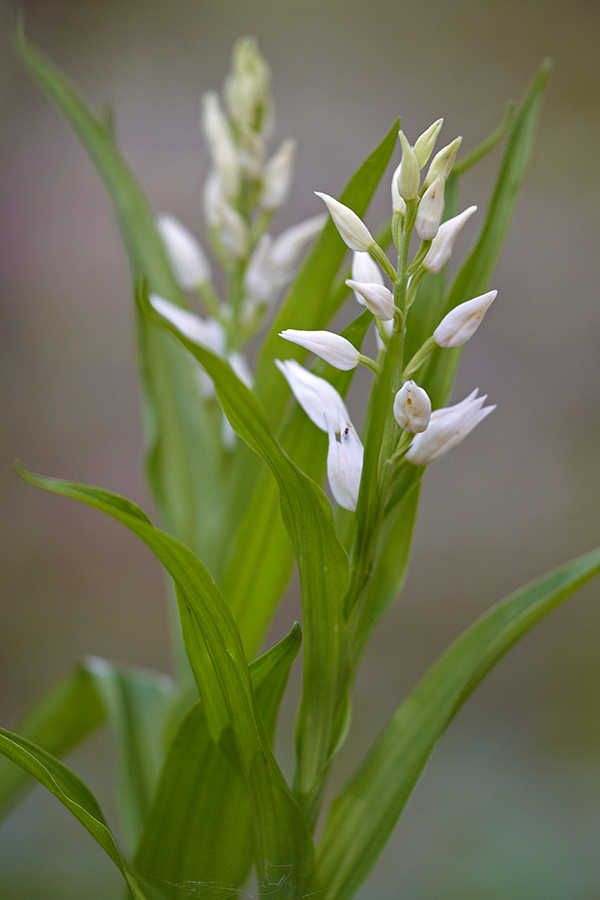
(137,703)
(365,812)
(215,651)
(199,832)
(322,562)
(58,722)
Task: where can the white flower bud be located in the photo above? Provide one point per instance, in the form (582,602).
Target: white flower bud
(443,162)
(353,230)
(441,247)
(409,176)
(431,210)
(247,88)
(221,144)
(377,298)
(277,176)
(463,321)
(333,348)
(317,397)
(205,332)
(289,245)
(344,466)
(365,269)
(426,142)
(398,204)
(447,428)
(187,257)
(412,408)
(233,231)
(213,195)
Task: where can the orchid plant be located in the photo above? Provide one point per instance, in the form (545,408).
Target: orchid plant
(204,803)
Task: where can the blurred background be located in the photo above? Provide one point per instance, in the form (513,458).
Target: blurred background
(509,806)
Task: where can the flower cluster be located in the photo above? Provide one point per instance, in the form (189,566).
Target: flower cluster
(425,435)
(243,191)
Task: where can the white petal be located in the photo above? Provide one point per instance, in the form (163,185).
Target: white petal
(344,466)
(206,332)
(187,256)
(317,397)
(333,348)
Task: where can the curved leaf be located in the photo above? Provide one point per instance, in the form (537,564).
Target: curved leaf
(322,562)
(365,812)
(215,651)
(199,831)
(74,794)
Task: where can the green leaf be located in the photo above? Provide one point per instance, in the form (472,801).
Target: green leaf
(322,563)
(474,276)
(58,722)
(365,812)
(311,301)
(179,434)
(261,562)
(74,794)
(215,651)
(137,703)
(199,832)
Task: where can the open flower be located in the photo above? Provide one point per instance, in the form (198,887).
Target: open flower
(412,408)
(344,465)
(317,397)
(447,428)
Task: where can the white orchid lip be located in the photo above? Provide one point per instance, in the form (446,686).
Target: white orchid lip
(412,408)
(353,230)
(333,348)
(377,298)
(187,256)
(463,321)
(447,428)
(317,397)
(344,465)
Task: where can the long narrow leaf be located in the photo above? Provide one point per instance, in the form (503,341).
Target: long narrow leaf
(322,561)
(199,832)
(73,793)
(365,812)
(474,275)
(217,658)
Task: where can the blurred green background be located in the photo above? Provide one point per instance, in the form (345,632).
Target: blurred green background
(509,807)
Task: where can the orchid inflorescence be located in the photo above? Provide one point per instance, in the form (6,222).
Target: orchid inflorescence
(243,191)
(418,208)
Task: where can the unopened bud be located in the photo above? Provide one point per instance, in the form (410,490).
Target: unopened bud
(187,256)
(353,230)
(463,321)
(205,332)
(431,210)
(426,142)
(412,408)
(221,144)
(333,348)
(377,298)
(247,88)
(233,231)
(277,176)
(409,176)
(443,162)
(441,247)
(398,204)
